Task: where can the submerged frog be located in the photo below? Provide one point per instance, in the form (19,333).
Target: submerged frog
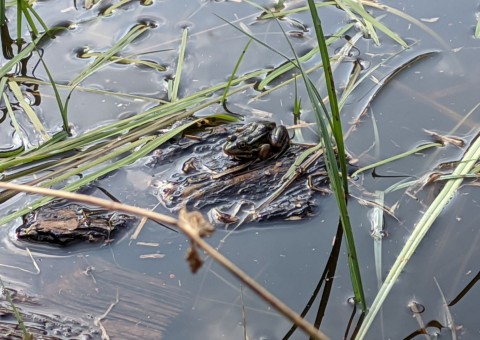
(254,140)
(63,223)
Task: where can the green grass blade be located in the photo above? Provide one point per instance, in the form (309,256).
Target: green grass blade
(113,7)
(112,130)
(127,60)
(149,146)
(396,157)
(284,13)
(36,15)
(98,161)
(15,151)
(477,28)
(348,91)
(332,95)
(339,185)
(352,16)
(405,16)
(377,24)
(63,109)
(26,334)
(428,218)
(297,111)
(3,83)
(25,7)
(13,119)
(19,22)
(299,161)
(178,72)
(235,69)
(28,17)
(288,66)
(136,31)
(28,111)
(26,51)
(372,32)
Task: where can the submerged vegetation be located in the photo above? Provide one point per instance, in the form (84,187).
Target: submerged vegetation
(46,158)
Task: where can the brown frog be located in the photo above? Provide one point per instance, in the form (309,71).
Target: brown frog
(257,140)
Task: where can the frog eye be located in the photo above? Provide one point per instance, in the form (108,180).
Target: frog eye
(242,145)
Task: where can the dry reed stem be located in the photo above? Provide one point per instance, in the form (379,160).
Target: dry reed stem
(193,234)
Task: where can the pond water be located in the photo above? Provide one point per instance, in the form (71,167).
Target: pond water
(158,295)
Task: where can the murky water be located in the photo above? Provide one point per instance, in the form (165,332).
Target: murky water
(158,296)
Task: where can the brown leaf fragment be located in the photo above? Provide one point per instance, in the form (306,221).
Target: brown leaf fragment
(458,142)
(196,222)
(433,177)
(194,259)
(223,217)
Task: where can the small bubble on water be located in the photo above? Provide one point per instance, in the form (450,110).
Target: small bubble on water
(184,24)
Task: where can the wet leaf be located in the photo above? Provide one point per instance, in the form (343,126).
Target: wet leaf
(193,259)
(195,221)
(458,142)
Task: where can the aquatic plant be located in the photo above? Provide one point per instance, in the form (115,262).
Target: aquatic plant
(121,143)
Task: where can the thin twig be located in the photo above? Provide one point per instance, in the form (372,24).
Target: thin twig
(193,235)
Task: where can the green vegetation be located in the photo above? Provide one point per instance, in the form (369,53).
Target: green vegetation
(58,159)
(26,334)
(337,178)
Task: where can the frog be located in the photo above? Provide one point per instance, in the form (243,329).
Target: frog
(63,223)
(210,174)
(257,140)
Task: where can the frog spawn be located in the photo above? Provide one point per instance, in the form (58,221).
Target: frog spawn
(62,223)
(231,191)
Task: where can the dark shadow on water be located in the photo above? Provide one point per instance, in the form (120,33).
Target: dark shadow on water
(464,291)
(327,278)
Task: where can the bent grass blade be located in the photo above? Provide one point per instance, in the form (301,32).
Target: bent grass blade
(288,66)
(126,61)
(5,69)
(105,57)
(234,72)
(37,124)
(396,157)
(426,221)
(173,94)
(358,8)
(149,144)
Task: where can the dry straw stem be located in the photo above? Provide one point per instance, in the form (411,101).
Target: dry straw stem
(193,234)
